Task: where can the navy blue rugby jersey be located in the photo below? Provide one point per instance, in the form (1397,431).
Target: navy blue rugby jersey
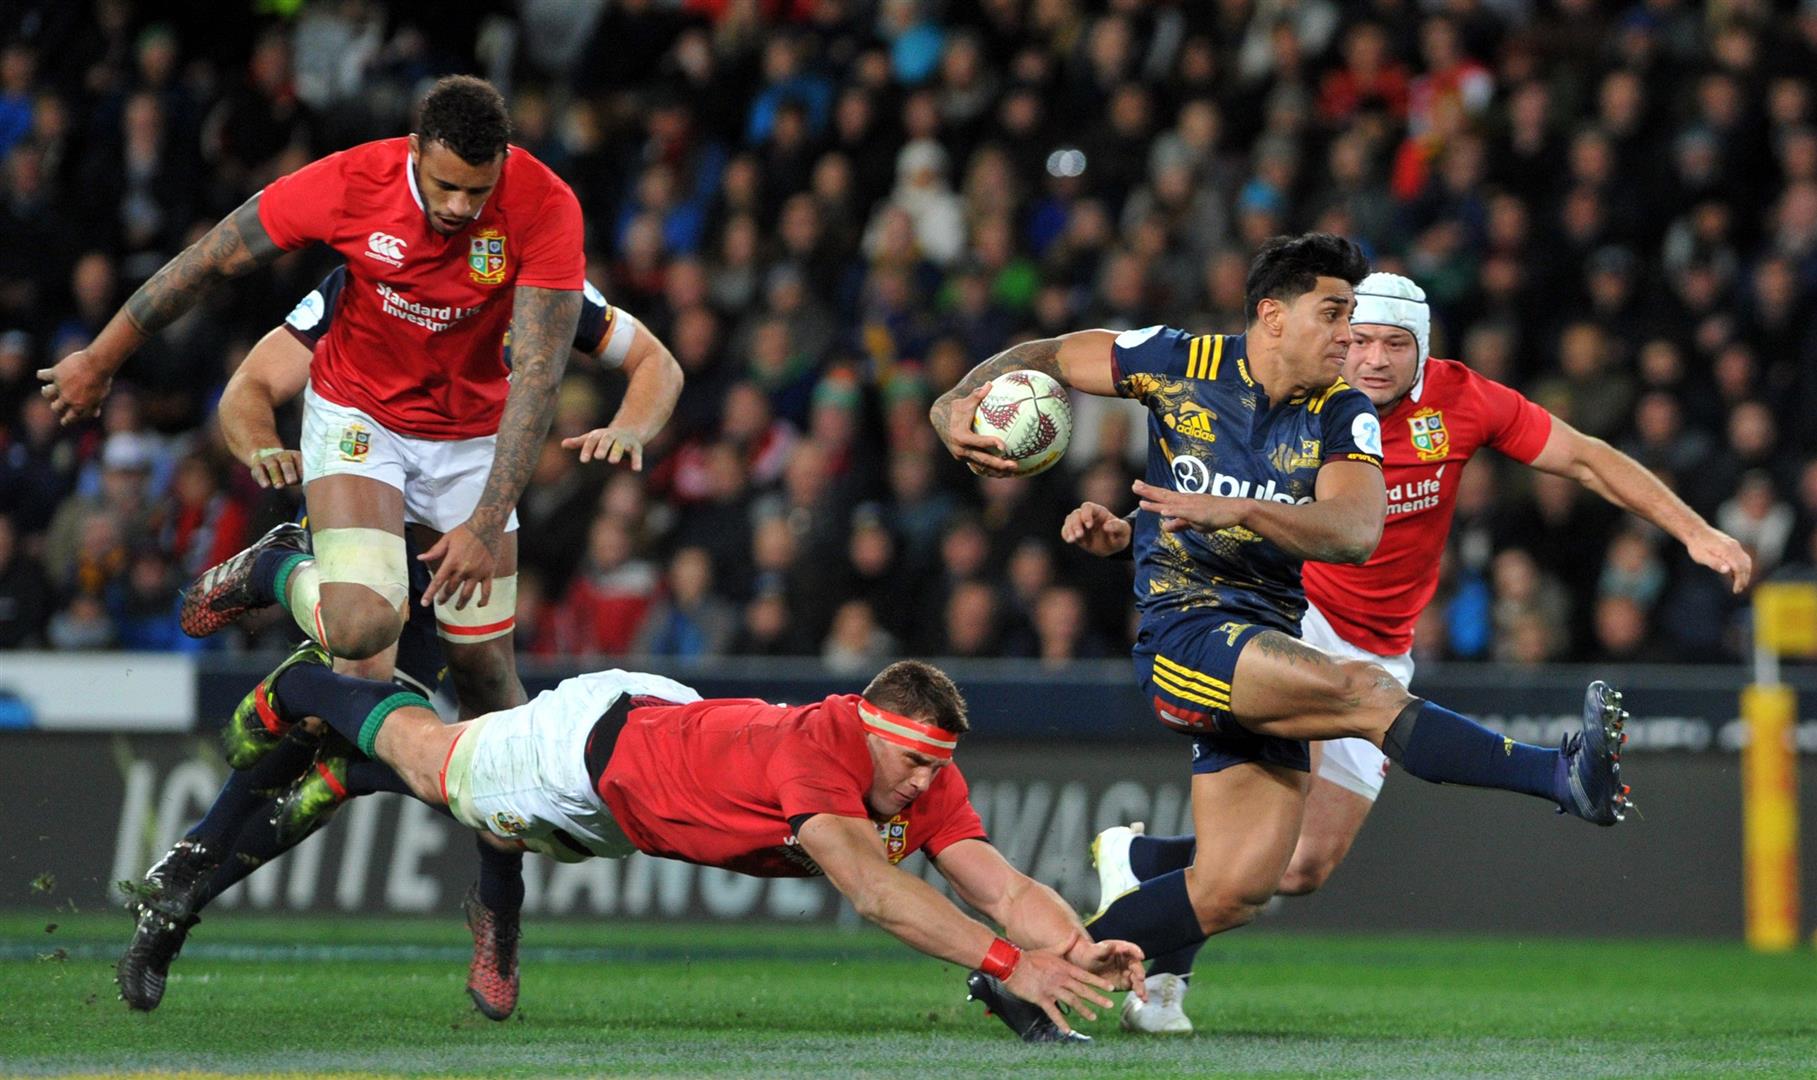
(310,319)
(1211,429)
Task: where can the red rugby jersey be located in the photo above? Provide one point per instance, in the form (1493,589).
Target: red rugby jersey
(718,783)
(1425,445)
(417,341)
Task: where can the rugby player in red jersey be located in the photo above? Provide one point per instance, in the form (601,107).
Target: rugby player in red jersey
(244,827)
(451,237)
(1436,414)
(615,762)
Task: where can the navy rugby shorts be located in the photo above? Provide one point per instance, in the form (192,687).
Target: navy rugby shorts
(1185,662)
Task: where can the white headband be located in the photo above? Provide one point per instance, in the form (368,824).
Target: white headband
(1392,300)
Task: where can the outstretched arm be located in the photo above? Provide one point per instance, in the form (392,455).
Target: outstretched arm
(1081,360)
(851,854)
(1033,915)
(236,245)
(543,323)
(274,371)
(1342,524)
(654,383)
(1628,484)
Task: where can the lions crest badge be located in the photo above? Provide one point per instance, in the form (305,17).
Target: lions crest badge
(486,257)
(1430,439)
(895,837)
(355,442)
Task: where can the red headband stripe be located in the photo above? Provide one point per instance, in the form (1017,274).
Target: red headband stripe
(913,734)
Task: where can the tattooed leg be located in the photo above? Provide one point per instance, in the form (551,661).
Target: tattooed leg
(1284,687)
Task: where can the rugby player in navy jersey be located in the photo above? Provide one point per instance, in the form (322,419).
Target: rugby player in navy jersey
(1261,458)
(246,828)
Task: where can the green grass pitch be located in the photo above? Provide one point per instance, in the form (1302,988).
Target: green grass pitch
(325,996)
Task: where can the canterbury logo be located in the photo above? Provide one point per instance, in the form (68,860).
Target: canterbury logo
(385,248)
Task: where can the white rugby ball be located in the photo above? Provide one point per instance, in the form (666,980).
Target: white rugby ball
(1030,412)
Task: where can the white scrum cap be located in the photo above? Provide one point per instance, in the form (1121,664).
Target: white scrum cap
(1392,300)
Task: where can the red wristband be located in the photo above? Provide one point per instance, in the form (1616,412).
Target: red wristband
(1000,959)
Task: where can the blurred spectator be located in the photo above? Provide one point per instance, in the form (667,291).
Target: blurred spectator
(25,596)
(768,628)
(1623,634)
(1530,611)
(856,645)
(73,545)
(83,624)
(605,604)
(970,621)
(1755,516)
(690,622)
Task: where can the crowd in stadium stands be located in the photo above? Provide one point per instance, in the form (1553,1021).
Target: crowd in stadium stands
(830,209)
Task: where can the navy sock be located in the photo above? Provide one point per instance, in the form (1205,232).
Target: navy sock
(501,878)
(1436,744)
(248,791)
(1152,856)
(367,777)
(271,573)
(356,708)
(256,845)
(1178,962)
(1157,917)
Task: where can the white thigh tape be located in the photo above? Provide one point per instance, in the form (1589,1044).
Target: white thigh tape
(370,557)
(479,622)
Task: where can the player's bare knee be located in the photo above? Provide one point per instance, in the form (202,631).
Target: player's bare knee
(1222,904)
(1367,697)
(1306,875)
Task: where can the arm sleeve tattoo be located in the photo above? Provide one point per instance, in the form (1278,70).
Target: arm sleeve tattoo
(1042,355)
(543,323)
(236,245)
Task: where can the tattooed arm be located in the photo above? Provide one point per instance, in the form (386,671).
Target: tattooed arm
(236,245)
(543,322)
(1081,360)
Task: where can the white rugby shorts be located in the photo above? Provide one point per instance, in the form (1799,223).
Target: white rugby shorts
(521,773)
(442,479)
(1353,764)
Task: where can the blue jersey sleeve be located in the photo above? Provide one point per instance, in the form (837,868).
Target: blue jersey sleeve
(1352,431)
(1139,356)
(312,316)
(595,320)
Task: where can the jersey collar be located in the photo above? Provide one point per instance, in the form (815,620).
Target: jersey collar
(410,176)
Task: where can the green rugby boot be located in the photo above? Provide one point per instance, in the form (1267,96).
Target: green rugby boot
(307,805)
(256,725)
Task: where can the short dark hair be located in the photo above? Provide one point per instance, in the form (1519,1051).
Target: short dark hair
(1289,267)
(920,691)
(468,116)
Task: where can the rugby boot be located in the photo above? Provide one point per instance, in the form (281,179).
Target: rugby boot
(256,726)
(1026,1019)
(492,978)
(223,592)
(1110,854)
(306,805)
(163,910)
(1164,1013)
(1589,762)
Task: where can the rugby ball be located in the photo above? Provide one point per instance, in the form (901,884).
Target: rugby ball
(1030,412)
